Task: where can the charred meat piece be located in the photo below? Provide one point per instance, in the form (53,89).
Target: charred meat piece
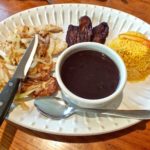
(100,33)
(38,88)
(72,36)
(47,88)
(85,33)
(85,29)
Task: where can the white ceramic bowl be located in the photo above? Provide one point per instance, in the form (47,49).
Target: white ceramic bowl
(88,103)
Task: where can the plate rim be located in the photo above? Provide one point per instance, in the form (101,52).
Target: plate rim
(52,5)
(72,134)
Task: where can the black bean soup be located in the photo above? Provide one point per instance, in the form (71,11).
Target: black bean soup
(90,74)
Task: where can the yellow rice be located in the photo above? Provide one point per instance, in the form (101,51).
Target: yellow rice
(135,54)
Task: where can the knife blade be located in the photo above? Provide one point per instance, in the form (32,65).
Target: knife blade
(8,93)
(26,60)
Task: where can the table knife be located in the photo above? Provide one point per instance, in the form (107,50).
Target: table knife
(8,93)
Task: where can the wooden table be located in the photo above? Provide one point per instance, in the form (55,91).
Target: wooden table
(136,137)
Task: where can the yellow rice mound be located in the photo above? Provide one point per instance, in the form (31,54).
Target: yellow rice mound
(134,48)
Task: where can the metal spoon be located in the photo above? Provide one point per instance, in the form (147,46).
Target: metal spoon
(56,108)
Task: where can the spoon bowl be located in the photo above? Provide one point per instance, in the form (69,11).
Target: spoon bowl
(53,107)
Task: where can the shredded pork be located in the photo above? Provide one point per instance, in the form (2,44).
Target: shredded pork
(40,80)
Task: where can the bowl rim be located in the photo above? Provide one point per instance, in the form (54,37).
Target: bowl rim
(79,99)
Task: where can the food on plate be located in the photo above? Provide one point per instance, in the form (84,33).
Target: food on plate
(39,88)
(72,36)
(134,48)
(85,33)
(100,32)
(29,31)
(85,29)
(39,80)
(90,74)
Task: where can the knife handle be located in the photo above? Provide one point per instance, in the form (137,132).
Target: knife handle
(6,97)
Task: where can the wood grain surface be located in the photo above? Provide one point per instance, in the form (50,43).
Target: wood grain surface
(13,137)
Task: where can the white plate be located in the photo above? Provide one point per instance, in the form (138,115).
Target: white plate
(135,96)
